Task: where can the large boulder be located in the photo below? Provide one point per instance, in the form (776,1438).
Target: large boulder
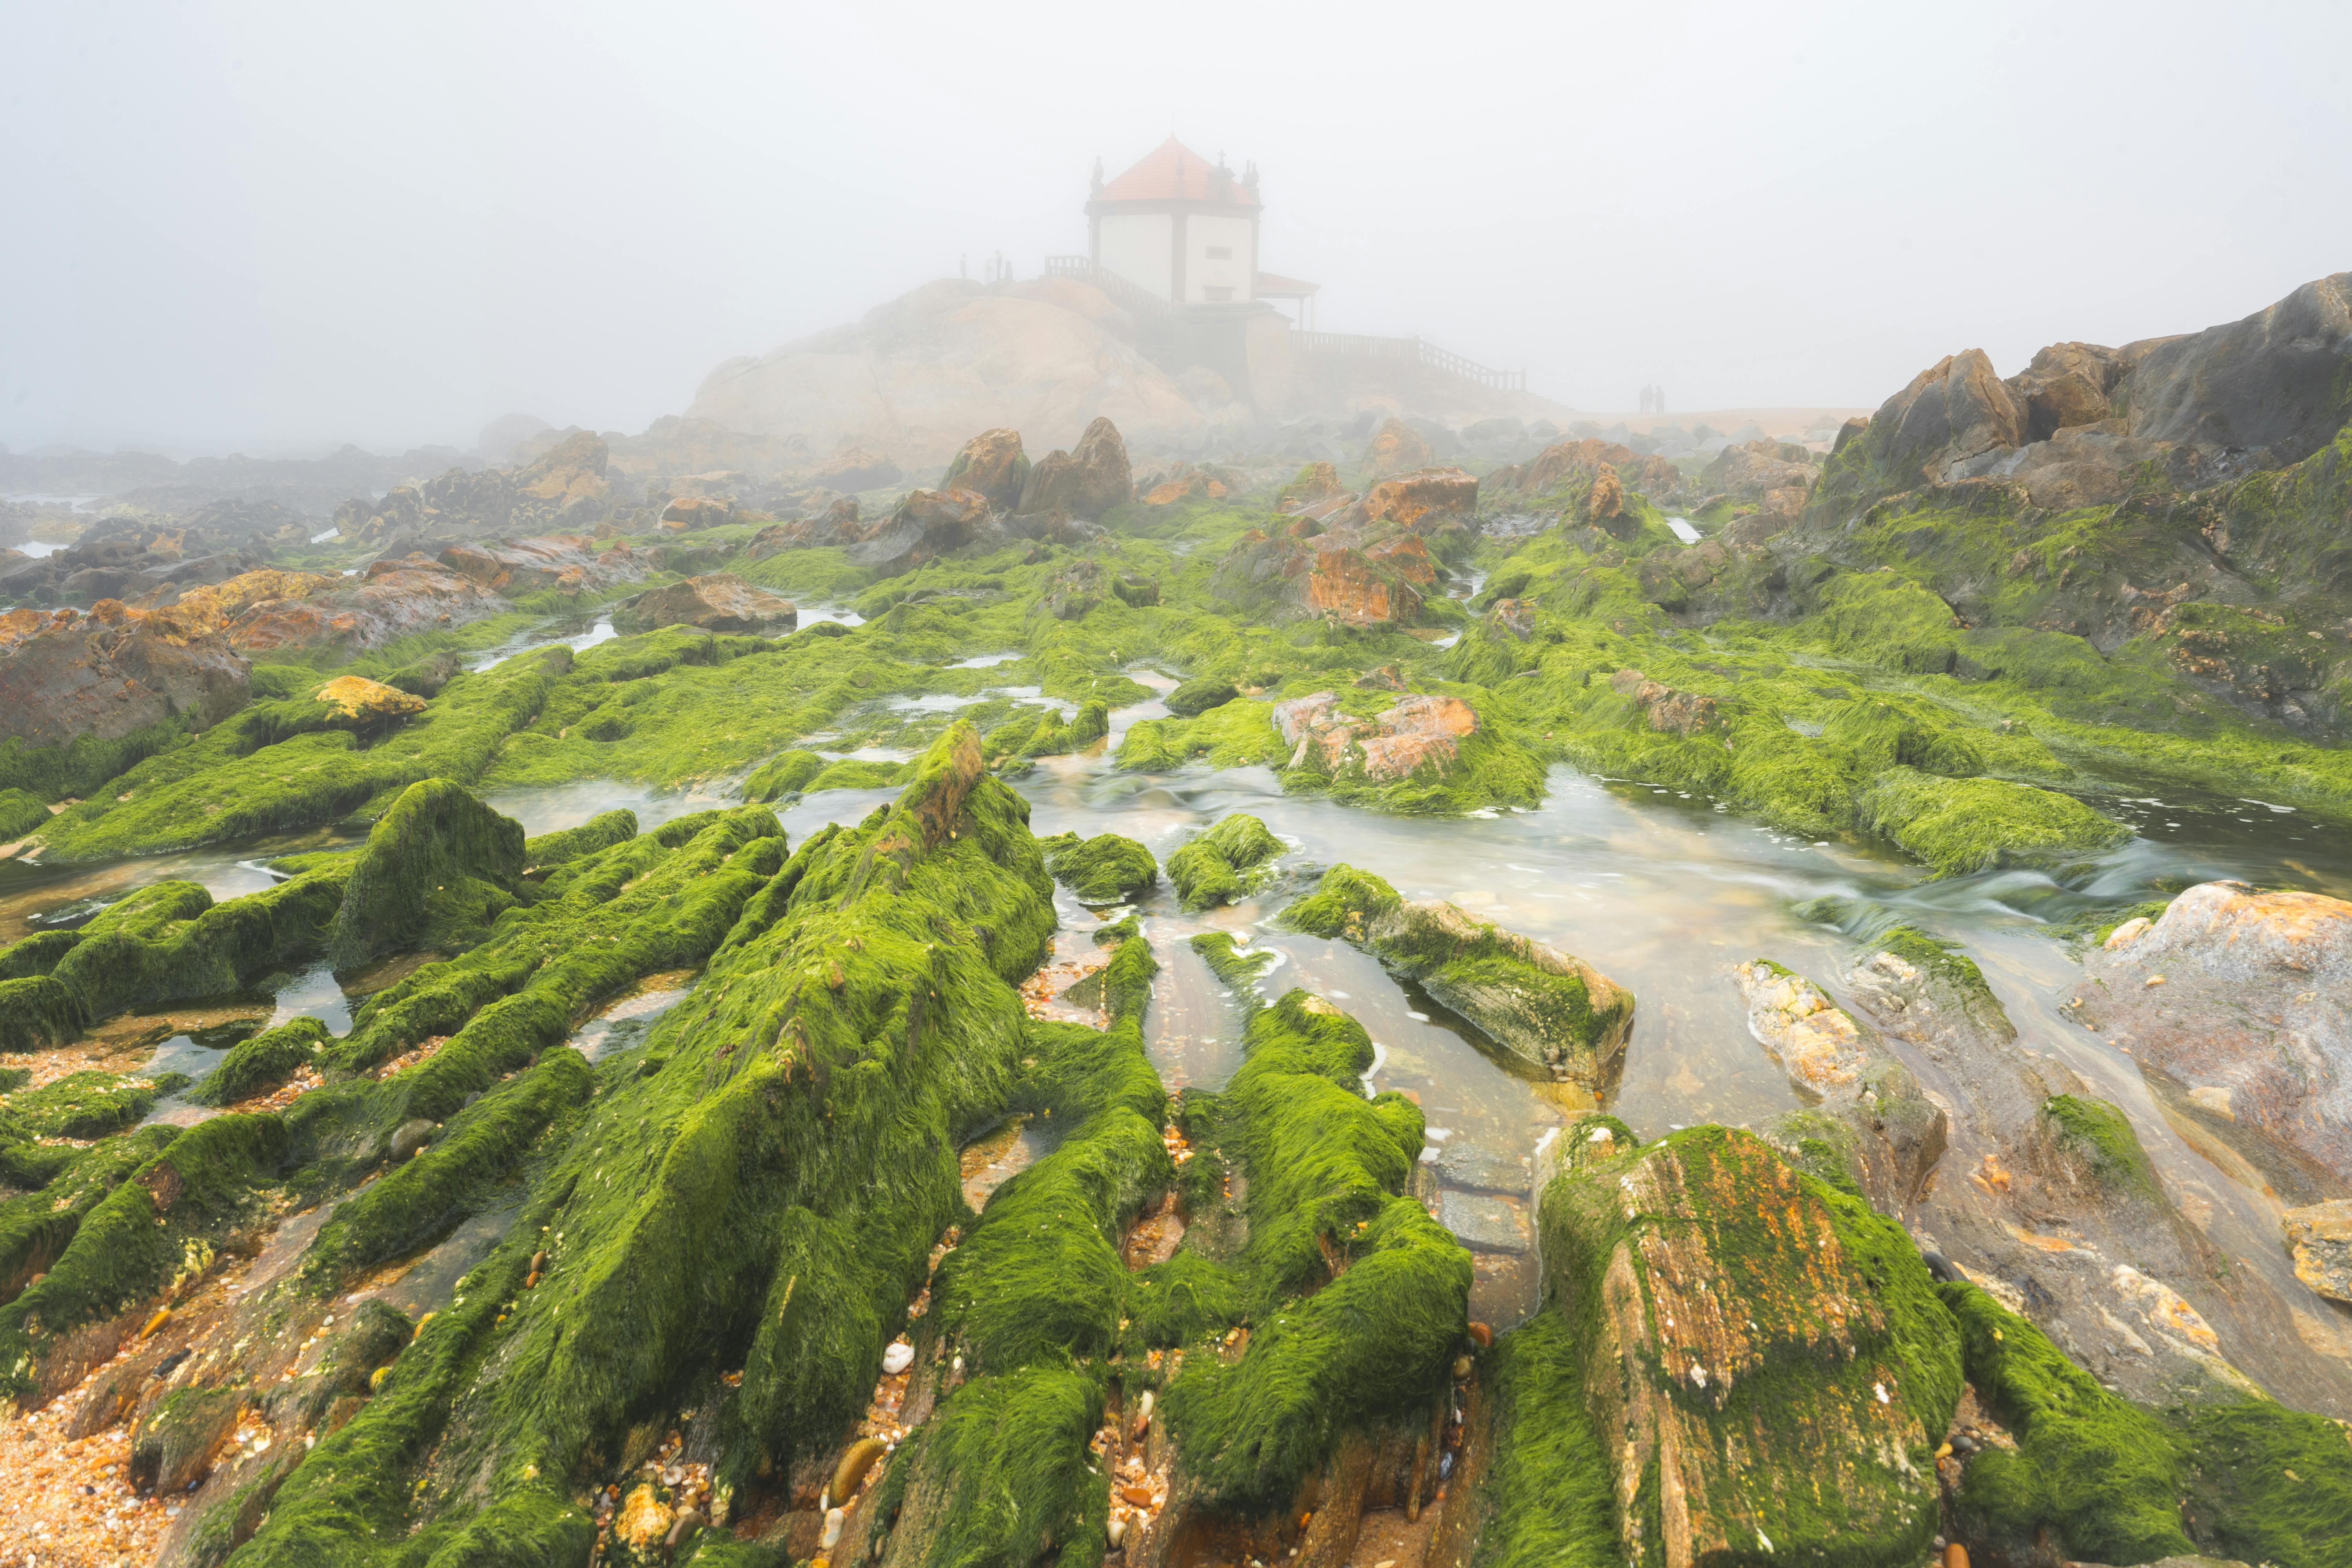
(716,602)
(992,465)
(2232,1002)
(1425,500)
(1954,417)
(565,562)
(1567,469)
(1342,575)
(1395,447)
(1764,1360)
(923,526)
(2272,385)
(1084,482)
(563,488)
(1755,470)
(64,675)
(2068,384)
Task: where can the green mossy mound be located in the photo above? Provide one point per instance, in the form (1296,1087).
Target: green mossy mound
(1239,971)
(160,1223)
(1223,864)
(1333,1246)
(1197,696)
(787,776)
(437,869)
(1544,1498)
(602,831)
(1959,826)
(169,942)
(20,812)
(87,1104)
(1104,869)
(262,1061)
(1030,1307)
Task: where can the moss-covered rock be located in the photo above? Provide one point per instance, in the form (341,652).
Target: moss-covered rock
(1104,869)
(1958,826)
(602,831)
(1197,696)
(1766,1356)
(261,1062)
(169,942)
(1552,1010)
(436,871)
(1360,1297)
(1223,863)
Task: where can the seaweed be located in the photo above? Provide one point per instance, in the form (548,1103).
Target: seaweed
(1221,864)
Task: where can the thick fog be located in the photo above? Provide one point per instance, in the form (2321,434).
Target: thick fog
(270,226)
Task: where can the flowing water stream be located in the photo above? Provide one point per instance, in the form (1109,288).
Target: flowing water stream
(1662,890)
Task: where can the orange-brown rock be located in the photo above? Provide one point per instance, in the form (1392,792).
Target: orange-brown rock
(687,513)
(992,465)
(1406,556)
(64,675)
(1343,584)
(1417,730)
(391,599)
(1086,481)
(1396,447)
(1604,503)
(357,697)
(1570,466)
(1677,712)
(716,602)
(1421,500)
(564,562)
(1307,571)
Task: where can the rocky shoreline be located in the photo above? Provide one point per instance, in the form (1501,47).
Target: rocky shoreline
(808,1179)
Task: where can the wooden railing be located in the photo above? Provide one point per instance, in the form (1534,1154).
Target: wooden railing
(1153,312)
(1412,350)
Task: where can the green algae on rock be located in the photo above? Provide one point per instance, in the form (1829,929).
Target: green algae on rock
(1104,869)
(1773,1351)
(1222,865)
(436,870)
(1556,1013)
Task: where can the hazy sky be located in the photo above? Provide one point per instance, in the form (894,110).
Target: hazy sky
(266,225)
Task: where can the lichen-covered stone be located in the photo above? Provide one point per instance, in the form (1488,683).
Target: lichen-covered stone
(1767,1357)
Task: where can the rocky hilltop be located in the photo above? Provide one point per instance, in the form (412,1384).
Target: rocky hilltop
(751,1030)
(918,376)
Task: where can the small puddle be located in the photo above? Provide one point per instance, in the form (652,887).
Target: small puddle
(624,1023)
(998,1155)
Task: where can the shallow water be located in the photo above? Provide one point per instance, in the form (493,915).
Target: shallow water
(1682,530)
(38,897)
(1663,890)
(544,638)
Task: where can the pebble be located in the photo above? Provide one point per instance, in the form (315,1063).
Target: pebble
(897,1358)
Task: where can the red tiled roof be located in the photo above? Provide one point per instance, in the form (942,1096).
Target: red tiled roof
(1173,171)
(1273,285)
